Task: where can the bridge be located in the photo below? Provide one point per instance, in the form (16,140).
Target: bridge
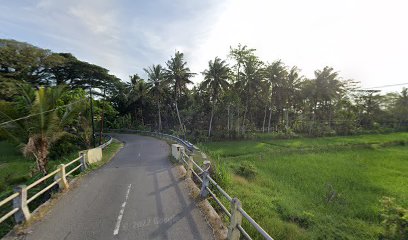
(137,195)
(140,187)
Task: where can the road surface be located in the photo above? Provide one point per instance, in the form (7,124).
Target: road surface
(135,196)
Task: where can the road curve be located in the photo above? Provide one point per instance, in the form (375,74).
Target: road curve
(135,196)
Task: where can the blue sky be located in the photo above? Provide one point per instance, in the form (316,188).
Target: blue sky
(362,39)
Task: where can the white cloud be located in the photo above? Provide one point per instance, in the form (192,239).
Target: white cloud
(364,40)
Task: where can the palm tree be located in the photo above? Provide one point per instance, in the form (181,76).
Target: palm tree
(155,79)
(252,78)
(401,107)
(240,54)
(276,74)
(44,124)
(330,89)
(177,75)
(216,81)
(137,95)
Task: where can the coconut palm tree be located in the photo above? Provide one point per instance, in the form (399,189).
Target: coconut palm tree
(137,95)
(44,123)
(216,81)
(155,80)
(178,76)
(276,75)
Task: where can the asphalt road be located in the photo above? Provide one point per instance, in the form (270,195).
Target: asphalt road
(135,196)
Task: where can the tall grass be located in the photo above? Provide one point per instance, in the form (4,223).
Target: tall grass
(327,188)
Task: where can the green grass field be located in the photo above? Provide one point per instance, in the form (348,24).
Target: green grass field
(322,188)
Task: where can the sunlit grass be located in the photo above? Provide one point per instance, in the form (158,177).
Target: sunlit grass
(327,188)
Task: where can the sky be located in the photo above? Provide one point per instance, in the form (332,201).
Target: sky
(364,40)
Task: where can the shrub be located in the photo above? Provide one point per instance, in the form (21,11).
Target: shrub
(395,220)
(15,180)
(65,145)
(2,186)
(247,170)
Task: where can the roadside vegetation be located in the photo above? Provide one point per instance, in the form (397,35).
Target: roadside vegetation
(322,188)
(329,186)
(16,170)
(237,96)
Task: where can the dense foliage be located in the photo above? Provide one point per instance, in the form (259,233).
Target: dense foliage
(43,100)
(238,97)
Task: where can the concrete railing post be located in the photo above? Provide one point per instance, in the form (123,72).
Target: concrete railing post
(84,166)
(236,219)
(189,167)
(205,184)
(20,202)
(63,183)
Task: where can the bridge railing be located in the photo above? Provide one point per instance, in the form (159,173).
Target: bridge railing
(20,198)
(190,147)
(235,212)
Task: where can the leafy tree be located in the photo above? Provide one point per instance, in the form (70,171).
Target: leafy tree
(24,62)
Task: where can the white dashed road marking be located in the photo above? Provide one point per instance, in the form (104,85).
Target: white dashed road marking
(122,210)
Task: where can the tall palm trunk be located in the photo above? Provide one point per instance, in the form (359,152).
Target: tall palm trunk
(160,123)
(141,115)
(228,120)
(37,146)
(238,124)
(269,121)
(263,124)
(178,116)
(135,116)
(244,117)
(211,119)
(232,121)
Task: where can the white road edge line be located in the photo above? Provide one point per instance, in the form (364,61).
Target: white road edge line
(122,210)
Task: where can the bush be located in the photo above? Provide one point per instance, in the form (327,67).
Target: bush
(65,145)
(2,186)
(247,170)
(15,180)
(395,220)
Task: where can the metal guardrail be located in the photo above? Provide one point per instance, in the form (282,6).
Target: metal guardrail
(235,213)
(107,143)
(206,180)
(20,208)
(184,142)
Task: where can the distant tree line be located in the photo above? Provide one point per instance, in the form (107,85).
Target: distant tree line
(238,96)
(246,95)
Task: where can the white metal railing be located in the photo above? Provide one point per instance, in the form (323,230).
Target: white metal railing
(235,213)
(205,181)
(20,198)
(184,142)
